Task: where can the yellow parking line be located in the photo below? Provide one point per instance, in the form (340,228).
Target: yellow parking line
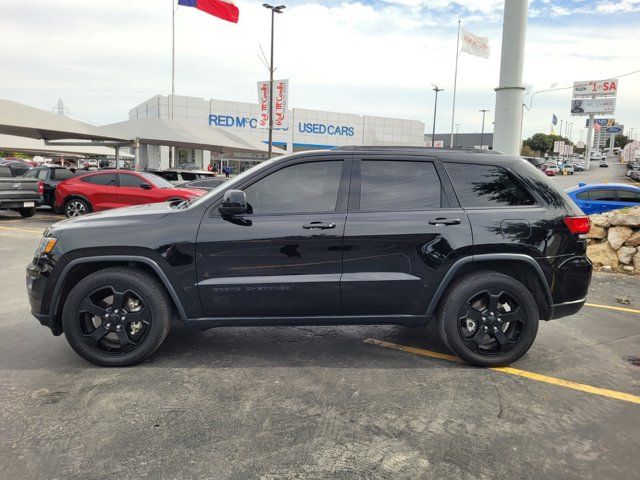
(28,230)
(611,307)
(627,397)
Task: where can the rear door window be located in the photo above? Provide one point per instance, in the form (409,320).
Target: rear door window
(106,179)
(395,185)
(628,196)
(128,180)
(486,186)
(603,195)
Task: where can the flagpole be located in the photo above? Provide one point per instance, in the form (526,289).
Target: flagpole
(173,73)
(455,85)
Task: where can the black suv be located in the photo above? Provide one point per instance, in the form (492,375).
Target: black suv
(483,244)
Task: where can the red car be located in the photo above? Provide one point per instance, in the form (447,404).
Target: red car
(105,189)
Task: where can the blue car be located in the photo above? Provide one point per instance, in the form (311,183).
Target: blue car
(602,197)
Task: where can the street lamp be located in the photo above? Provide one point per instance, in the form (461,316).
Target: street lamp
(456,137)
(274,10)
(435,109)
(482,132)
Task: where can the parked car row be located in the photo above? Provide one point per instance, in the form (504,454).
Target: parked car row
(603,197)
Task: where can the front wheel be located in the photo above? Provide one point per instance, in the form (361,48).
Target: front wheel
(489,319)
(116,317)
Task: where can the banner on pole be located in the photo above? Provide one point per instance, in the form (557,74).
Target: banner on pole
(280,103)
(474,45)
(558,146)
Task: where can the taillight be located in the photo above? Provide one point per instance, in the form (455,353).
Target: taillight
(40,187)
(578,225)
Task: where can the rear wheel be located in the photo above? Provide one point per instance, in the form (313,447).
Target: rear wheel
(76,207)
(489,319)
(27,212)
(117,317)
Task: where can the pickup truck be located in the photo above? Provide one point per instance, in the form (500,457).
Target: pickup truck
(19,193)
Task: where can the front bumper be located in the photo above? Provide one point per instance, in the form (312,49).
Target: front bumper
(567,308)
(37,277)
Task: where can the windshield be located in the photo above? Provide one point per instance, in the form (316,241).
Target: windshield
(234,181)
(156,180)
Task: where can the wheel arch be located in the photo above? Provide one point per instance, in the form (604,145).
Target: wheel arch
(72,196)
(518,266)
(79,268)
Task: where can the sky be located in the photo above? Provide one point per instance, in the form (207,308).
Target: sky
(376,57)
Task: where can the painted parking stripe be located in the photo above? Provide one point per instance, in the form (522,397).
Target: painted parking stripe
(27,230)
(603,392)
(611,307)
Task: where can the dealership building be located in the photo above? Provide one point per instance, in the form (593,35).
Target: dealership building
(306,130)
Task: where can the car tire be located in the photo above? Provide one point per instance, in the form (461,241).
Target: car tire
(27,212)
(102,331)
(76,207)
(477,327)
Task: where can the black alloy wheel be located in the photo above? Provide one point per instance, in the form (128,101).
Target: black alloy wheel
(117,316)
(488,319)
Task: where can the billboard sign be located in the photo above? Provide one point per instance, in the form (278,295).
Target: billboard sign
(615,129)
(587,106)
(281,98)
(603,122)
(596,87)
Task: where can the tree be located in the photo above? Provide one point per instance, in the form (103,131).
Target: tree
(543,143)
(526,151)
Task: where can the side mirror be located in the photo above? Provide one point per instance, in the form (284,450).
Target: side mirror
(145,186)
(234,203)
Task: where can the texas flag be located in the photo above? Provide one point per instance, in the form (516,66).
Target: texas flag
(225,10)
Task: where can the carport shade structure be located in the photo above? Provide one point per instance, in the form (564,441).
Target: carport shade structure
(13,143)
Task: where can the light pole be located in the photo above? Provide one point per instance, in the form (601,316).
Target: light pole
(482,132)
(435,109)
(274,10)
(456,137)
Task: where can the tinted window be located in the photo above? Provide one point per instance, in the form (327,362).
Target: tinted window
(583,196)
(31,173)
(170,176)
(603,195)
(398,185)
(307,187)
(61,173)
(628,196)
(486,186)
(42,174)
(108,179)
(127,180)
(5,172)
(188,176)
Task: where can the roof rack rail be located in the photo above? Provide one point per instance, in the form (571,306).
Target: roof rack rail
(415,148)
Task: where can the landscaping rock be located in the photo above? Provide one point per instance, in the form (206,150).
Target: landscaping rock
(618,235)
(636,260)
(625,254)
(625,217)
(602,254)
(601,220)
(628,268)
(633,240)
(597,232)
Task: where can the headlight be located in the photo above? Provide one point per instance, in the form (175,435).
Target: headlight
(46,245)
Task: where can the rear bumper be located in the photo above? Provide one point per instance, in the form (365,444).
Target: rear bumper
(13,204)
(565,309)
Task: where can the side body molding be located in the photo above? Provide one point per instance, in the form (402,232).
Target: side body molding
(55,298)
(517,257)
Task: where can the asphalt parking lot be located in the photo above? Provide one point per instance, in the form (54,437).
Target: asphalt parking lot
(319,403)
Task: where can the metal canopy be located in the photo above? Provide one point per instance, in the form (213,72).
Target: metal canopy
(175,133)
(24,121)
(14,143)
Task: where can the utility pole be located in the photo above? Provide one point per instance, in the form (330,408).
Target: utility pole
(456,137)
(482,132)
(435,109)
(509,94)
(274,10)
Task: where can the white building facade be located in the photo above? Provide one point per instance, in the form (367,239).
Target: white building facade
(306,129)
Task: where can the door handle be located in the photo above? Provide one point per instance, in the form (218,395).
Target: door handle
(441,222)
(319,225)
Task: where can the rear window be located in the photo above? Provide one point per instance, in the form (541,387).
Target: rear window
(628,196)
(486,186)
(603,195)
(61,173)
(5,172)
